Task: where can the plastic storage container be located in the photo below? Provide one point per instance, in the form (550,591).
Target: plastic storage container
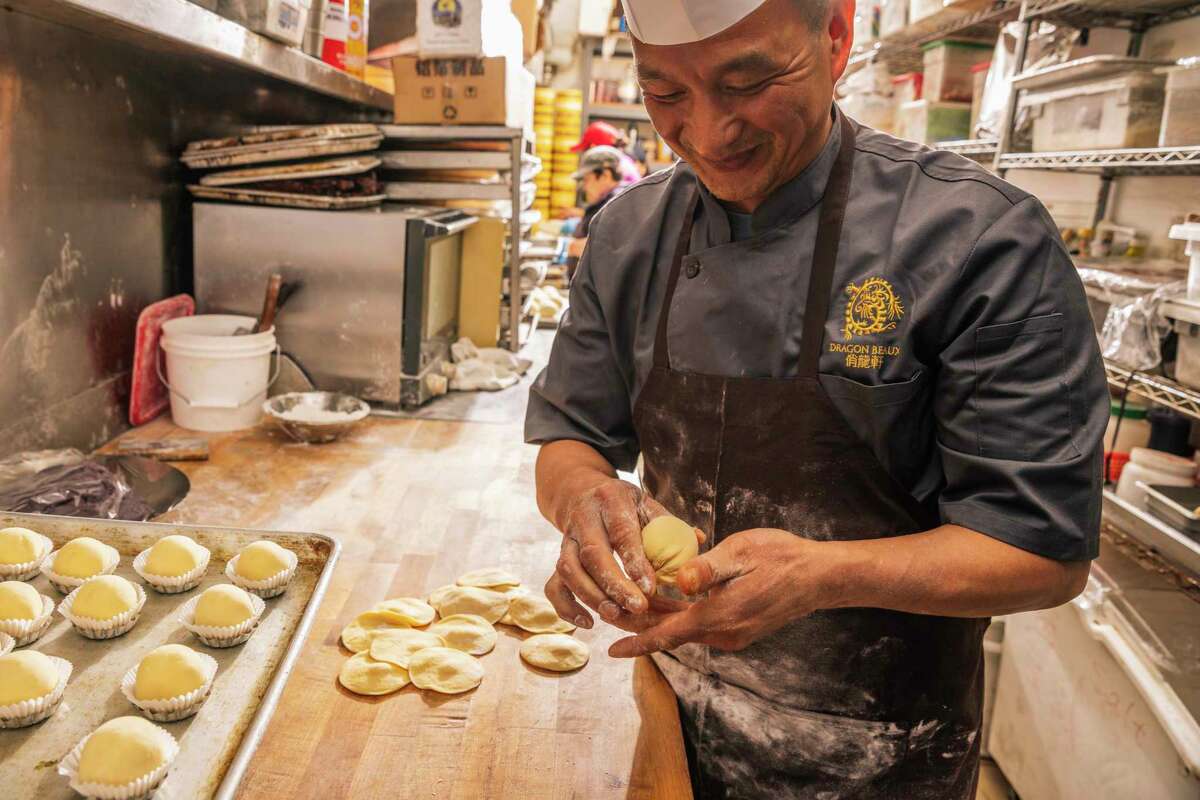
(928,122)
(1111,113)
(893,17)
(979,79)
(948,64)
(920,9)
(1151,467)
(1181,111)
(907,88)
(1134,430)
(282,20)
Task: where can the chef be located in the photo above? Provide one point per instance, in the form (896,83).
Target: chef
(864,369)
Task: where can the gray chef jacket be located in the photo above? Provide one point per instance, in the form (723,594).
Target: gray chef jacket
(959,344)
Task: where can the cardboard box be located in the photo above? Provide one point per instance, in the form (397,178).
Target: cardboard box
(463,91)
(527,13)
(467,29)
(355,58)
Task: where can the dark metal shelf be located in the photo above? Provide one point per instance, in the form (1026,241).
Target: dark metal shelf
(1113,13)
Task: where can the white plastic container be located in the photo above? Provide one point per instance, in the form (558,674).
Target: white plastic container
(1152,467)
(893,17)
(920,9)
(1110,113)
(217,381)
(1181,112)
(282,20)
(1134,430)
(948,63)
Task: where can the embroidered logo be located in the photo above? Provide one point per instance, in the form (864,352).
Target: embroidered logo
(447,13)
(873,308)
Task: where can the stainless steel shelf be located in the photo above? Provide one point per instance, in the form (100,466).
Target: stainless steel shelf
(438,133)
(1148,161)
(970,147)
(971,19)
(1112,13)
(183,28)
(624,111)
(1163,391)
(1177,548)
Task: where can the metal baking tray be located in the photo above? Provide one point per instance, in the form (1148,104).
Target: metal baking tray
(1175,505)
(280,151)
(295,172)
(217,743)
(265,197)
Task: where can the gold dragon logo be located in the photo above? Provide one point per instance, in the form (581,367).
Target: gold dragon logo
(872,308)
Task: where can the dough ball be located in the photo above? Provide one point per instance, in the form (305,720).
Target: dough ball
(472,600)
(469,633)
(82,558)
(261,560)
(104,597)
(174,555)
(445,670)
(122,750)
(19,601)
(222,606)
(25,675)
(397,646)
(669,543)
(489,578)
(536,615)
(362,674)
(19,546)
(408,610)
(554,651)
(358,634)
(169,671)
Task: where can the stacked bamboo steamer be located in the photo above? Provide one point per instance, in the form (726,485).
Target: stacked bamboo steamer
(543,128)
(568,128)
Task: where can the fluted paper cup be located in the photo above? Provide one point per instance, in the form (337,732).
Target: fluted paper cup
(267,588)
(140,789)
(103,628)
(173,708)
(28,631)
(66,583)
(29,569)
(31,712)
(172,585)
(7,643)
(228,636)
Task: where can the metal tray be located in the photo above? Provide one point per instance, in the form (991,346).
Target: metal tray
(279,151)
(265,197)
(1175,505)
(283,172)
(217,743)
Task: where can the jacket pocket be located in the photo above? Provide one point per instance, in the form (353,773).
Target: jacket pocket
(1021,395)
(873,396)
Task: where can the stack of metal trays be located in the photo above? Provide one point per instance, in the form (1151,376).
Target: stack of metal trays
(294,169)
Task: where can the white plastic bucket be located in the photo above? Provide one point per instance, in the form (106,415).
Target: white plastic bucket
(217,381)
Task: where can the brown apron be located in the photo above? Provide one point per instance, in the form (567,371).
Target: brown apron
(848,703)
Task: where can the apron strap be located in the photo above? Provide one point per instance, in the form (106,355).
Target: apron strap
(662,357)
(825,253)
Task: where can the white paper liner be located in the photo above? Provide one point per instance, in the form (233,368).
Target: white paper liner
(7,643)
(103,628)
(172,585)
(65,583)
(27,631)
(140,789)
(271,587)
(174,708)
(228,636)
(31,712)
(29,569)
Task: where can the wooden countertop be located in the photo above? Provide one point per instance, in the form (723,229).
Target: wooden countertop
(415,504)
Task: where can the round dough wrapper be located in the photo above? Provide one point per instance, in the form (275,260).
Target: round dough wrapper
(469,633)
(669,543)
(19,600)
(169,671)
(362,674)
(172,556)
(554,651)
(358,634)
(25,675)
(473,600)
(19,546)
(120,751)
(82,557)
(104,597)
(439,594)
(397,646)
(411,610)
(223,605)
(261,560)
(537,615)
(489,578)
(444,670)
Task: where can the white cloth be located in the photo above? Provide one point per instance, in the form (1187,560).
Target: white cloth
(490,369)
(668,22)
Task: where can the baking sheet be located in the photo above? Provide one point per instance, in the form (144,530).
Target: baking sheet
(263,197)
(216,744)
(279,151)
(283,172)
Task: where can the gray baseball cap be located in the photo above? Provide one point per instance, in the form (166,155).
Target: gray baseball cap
(602,157)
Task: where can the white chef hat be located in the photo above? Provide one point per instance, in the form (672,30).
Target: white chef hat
(667,22)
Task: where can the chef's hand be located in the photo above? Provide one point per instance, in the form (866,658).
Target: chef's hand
(604,520)
(757,582)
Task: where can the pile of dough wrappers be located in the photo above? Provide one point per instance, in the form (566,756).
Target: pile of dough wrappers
(435,643)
